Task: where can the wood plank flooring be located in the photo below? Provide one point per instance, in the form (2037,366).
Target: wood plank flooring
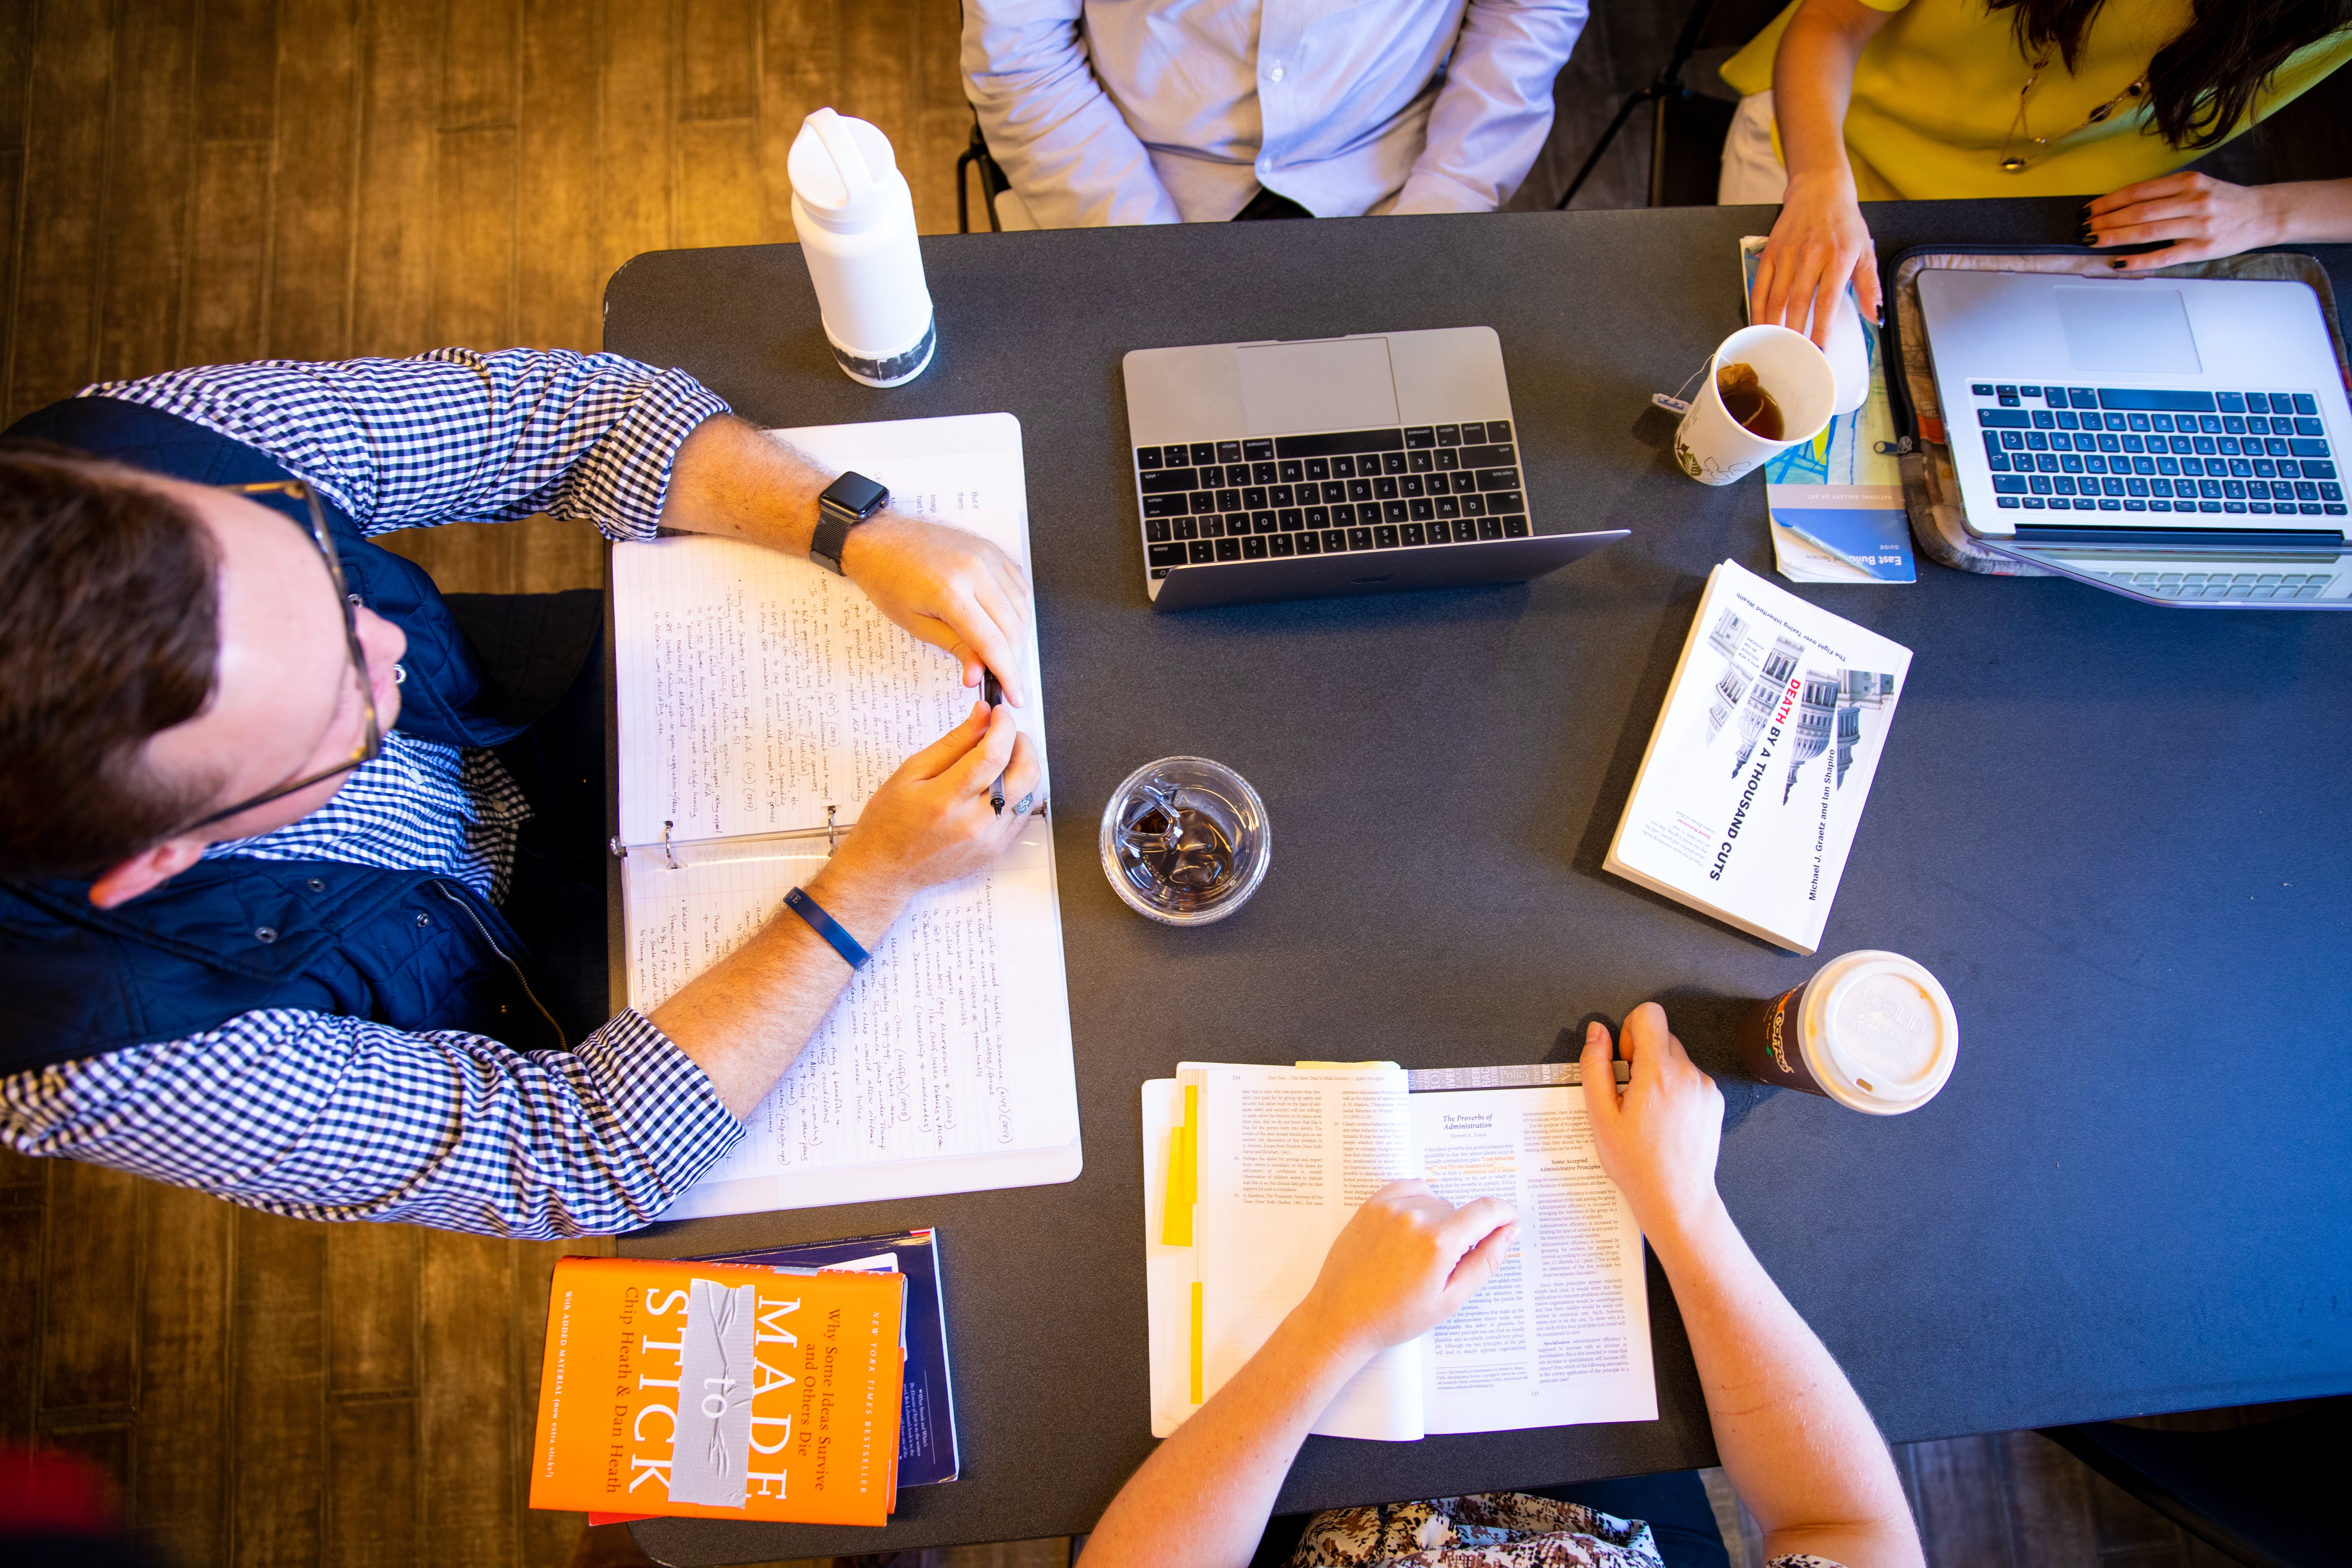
(187,182)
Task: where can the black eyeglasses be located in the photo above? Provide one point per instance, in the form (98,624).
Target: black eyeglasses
(371,742)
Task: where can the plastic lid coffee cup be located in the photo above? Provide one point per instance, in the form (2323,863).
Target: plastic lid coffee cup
(1878,1032)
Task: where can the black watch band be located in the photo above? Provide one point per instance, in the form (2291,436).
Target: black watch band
(846,502)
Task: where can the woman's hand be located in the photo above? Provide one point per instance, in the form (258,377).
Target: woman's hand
(931,822)
(1819,243)
(1405,1263)
(2202,216)
(953,589)
(1659,1138)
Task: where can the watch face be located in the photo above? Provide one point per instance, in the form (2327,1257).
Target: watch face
(857,494)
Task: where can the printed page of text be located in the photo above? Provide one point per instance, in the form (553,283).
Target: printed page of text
(1287,1155)
(1561,1335)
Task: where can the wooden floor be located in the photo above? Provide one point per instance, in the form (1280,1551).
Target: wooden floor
(198,181)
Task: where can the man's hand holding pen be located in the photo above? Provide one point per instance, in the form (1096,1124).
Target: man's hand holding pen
(955,590)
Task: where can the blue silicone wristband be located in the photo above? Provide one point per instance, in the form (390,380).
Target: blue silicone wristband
(825,926)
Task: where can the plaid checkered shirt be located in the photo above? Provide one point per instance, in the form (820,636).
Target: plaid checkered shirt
(327,1117)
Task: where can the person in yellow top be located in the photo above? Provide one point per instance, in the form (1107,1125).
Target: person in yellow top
(1847,100)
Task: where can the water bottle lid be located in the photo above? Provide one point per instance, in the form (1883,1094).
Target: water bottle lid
(841,168)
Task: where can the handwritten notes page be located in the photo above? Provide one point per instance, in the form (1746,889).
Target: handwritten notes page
(755,690)
(947,1059)
(1561,1334)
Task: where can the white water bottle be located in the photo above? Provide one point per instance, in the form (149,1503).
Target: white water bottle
(855,218)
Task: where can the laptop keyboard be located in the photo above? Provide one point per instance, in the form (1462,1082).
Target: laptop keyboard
(2246,585)
(2082,449)
(1329,493)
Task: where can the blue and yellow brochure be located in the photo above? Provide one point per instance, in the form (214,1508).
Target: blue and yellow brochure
(1836,502)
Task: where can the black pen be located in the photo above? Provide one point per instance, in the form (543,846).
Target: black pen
(992,691)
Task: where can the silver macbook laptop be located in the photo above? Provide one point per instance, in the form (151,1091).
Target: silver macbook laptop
(2174,440)
(1367,464)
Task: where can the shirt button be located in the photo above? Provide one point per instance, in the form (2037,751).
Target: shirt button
(265,933)
(423,921)
(1275,73)
(317,884)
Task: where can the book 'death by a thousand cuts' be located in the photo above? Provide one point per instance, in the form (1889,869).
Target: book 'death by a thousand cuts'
(1753,784)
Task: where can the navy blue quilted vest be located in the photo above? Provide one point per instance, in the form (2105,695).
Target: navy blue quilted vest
(226,937)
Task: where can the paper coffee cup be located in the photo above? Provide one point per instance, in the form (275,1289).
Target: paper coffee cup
(1715,449)
(1874,1031)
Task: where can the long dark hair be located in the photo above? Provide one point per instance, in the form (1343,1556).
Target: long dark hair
(2204,81)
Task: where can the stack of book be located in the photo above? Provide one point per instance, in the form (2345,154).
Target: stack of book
(805,1384)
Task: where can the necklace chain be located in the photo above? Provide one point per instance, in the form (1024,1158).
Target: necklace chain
(2022,147)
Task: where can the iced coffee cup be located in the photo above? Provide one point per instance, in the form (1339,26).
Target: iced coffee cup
(1874,1031)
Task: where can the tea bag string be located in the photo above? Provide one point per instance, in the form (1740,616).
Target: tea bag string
(1680,400)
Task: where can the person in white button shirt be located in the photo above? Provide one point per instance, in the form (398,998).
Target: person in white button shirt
(1109,112)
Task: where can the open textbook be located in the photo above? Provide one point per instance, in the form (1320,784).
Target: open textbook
(762,701)
(1755,777)
(1250,1171)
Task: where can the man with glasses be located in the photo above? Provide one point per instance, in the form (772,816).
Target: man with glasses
(275,918)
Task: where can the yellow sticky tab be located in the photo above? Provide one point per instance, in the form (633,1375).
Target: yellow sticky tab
(1344,1067)
(1196,1341)
(1183,1174)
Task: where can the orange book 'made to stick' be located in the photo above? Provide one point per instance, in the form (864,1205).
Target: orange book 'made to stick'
(720,1391)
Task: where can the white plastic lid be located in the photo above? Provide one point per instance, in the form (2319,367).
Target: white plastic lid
(841,169)
(1879,1032)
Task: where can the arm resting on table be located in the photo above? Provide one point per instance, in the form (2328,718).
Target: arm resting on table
(1405,1263)
(1798,1444)
(955,590)
(745,1019)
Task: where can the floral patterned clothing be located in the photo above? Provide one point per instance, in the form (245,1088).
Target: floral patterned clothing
(1501,1530)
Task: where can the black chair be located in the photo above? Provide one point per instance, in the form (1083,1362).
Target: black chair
(1687,128)
(2264,1495)
(992,181)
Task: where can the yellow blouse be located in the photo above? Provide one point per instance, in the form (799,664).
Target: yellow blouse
(1935,100)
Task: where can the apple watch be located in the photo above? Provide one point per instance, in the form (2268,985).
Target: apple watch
(846,502)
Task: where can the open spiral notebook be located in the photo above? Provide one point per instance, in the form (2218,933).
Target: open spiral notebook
(762,701)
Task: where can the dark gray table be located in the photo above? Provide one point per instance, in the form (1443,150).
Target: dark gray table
(2118,832)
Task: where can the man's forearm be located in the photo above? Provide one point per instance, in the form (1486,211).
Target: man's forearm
(733,480)
(1799,1445)
(745,1019)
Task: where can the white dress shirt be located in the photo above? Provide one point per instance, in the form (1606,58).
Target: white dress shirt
(1107,111)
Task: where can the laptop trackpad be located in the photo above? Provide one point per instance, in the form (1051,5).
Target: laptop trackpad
(2128,327)
(1342,383)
